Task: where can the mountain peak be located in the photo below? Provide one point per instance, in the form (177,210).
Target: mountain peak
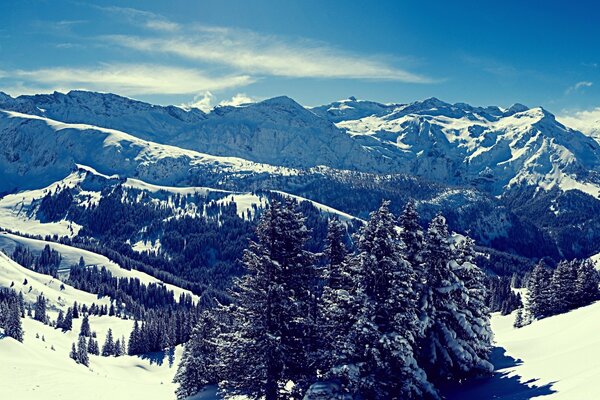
(516,108)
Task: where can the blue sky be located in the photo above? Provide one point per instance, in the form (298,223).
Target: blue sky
(209,52)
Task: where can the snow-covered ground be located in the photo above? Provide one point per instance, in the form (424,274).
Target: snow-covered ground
(553,358)
(32,370)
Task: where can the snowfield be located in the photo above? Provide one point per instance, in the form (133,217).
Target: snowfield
(553,358)
(32,370)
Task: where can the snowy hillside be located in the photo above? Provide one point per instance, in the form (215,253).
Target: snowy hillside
(558,355)
(40,367)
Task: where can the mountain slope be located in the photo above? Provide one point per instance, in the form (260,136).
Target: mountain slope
(38,151)
(559,351)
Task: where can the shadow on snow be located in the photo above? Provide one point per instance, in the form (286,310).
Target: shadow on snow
(499,385)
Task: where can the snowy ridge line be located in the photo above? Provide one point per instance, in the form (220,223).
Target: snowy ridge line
(322,207)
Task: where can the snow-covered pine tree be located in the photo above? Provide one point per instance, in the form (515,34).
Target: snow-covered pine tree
(413,240)
(273,330)
(335,304)
(472,319)
(199,365)
(379,358)
(40,309)
(108,349)
(82,351)
(75,310)
(134,340)
(67,324)
(586,285)
(60,320)
(73,353)
(411,235)
(451,349)
(85,327)
(539,301)
(93,347)
(12,321)
(562,287)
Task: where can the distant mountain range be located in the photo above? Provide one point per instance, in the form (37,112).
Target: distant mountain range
(516,178)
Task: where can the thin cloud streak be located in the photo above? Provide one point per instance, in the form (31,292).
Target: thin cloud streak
(251,53)
(579,85)
(128,79)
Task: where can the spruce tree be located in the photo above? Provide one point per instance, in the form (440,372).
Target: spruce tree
(199,363)
(586,284)
(334,304)
(273,328)
(40,309)
(562,287)
(60,320)
(108,349)
(93,347)
(73,354)
(12,321)
(379,348)
(134,340)
(85,327)
(456,343)
(82,351)
(67,324)
(539,292)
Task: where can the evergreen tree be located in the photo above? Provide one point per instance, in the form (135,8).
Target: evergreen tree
(93,347)
(586,285)
(334,304)
(60,320)
(75,310)
(539,292)
(82,351)
(456,344)
(562,287)
(108,349)
(379,358)
(85,327)
(135,346)
(67,324)
(118,350)
(412,235)
(273,330)
(40,309)
(12,321)
(73,354)
(199,363)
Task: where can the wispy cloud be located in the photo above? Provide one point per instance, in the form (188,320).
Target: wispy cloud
(578,86)
(128,79)
(142,18)
(249,52)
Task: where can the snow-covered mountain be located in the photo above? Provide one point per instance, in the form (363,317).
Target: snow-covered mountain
(490,148)
(39,150)
(473,160)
